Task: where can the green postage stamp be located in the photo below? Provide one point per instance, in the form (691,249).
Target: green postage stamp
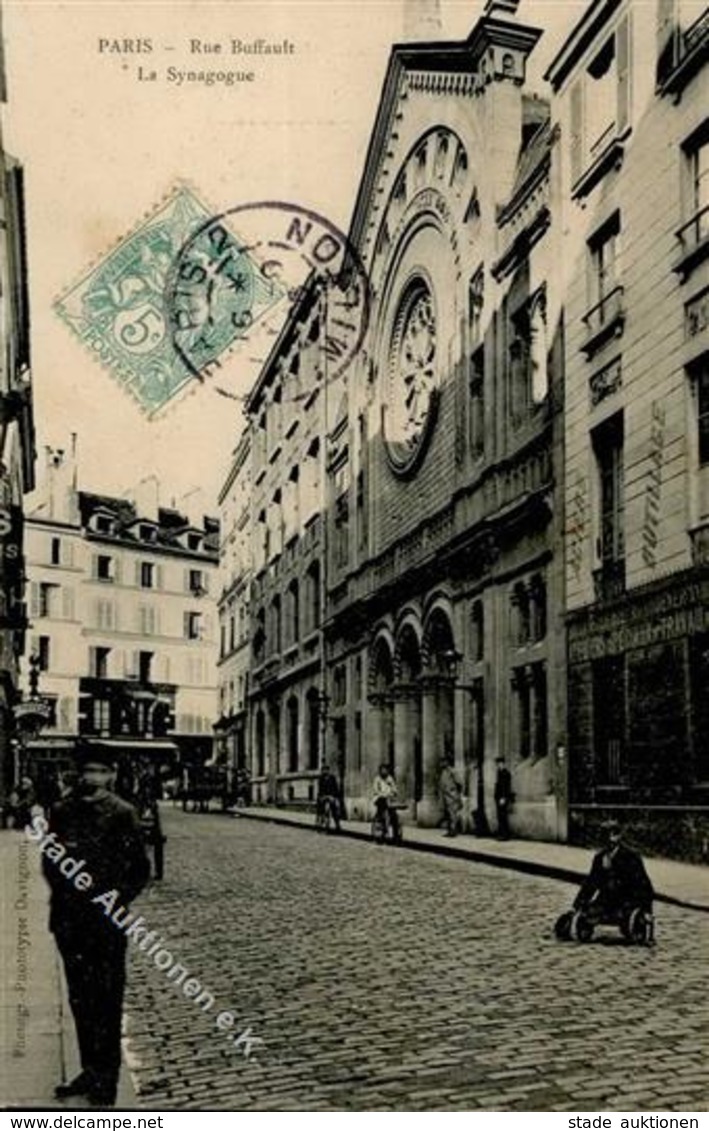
(119,308)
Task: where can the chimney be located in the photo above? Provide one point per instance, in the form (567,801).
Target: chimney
(422,20)
(146,497)
(60,476)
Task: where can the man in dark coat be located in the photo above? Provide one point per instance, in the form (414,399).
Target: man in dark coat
(503,799)
(617,881)
(94,825)
(329,790)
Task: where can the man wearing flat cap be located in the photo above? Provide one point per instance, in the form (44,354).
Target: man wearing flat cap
(94,825)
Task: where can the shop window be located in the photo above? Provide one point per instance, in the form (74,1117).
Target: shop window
(101,716)
(699,669)
(609,719)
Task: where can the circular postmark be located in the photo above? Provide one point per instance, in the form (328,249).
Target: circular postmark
(240,274)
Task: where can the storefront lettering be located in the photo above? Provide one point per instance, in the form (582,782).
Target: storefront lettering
(623,637)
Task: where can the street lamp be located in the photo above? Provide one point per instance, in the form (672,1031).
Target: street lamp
(31,714)
(323,701)
(453,659)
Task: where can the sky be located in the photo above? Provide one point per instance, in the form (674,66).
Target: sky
(102,147)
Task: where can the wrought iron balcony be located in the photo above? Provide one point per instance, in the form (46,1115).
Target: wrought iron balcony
(683,56)
(694,242)
(604,320)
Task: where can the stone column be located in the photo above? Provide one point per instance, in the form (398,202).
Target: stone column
(378,732)
(428,811)
(406,729)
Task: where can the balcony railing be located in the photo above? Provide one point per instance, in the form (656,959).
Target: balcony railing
(604,320)
(683,56)
(694,242)
(609,580)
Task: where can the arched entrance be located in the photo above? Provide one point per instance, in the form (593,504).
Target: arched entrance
(438,709)
(380,746)
(407,717)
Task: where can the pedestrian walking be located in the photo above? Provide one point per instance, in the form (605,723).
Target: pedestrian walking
(451,792)
(22,800)
(95,826)
(503,799)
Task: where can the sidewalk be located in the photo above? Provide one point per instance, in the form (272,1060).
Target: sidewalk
(37,1038)
(674,882)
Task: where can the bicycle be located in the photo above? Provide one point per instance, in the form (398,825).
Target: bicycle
(383,826)
(326,815)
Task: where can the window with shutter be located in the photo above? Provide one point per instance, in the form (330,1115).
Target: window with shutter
(667,39)
(577,131)
(623,44)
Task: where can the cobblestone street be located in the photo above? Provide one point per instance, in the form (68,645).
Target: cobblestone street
(385,979)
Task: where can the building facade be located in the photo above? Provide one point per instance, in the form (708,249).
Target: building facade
(287,412)
(17,448)
(123,617)
(631,95)
(445,584)
(234,663)
(504,504)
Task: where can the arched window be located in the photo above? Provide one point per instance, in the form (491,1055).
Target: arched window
(293,612)
(538,358)
(292,735)
(313,730)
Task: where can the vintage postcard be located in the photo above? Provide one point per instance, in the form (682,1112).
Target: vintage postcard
(354,557)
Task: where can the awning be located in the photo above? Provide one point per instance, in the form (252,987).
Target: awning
(136,745)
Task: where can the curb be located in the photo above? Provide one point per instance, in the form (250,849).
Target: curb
(527,867)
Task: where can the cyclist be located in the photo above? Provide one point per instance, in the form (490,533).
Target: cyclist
(384,795)
(328,791)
